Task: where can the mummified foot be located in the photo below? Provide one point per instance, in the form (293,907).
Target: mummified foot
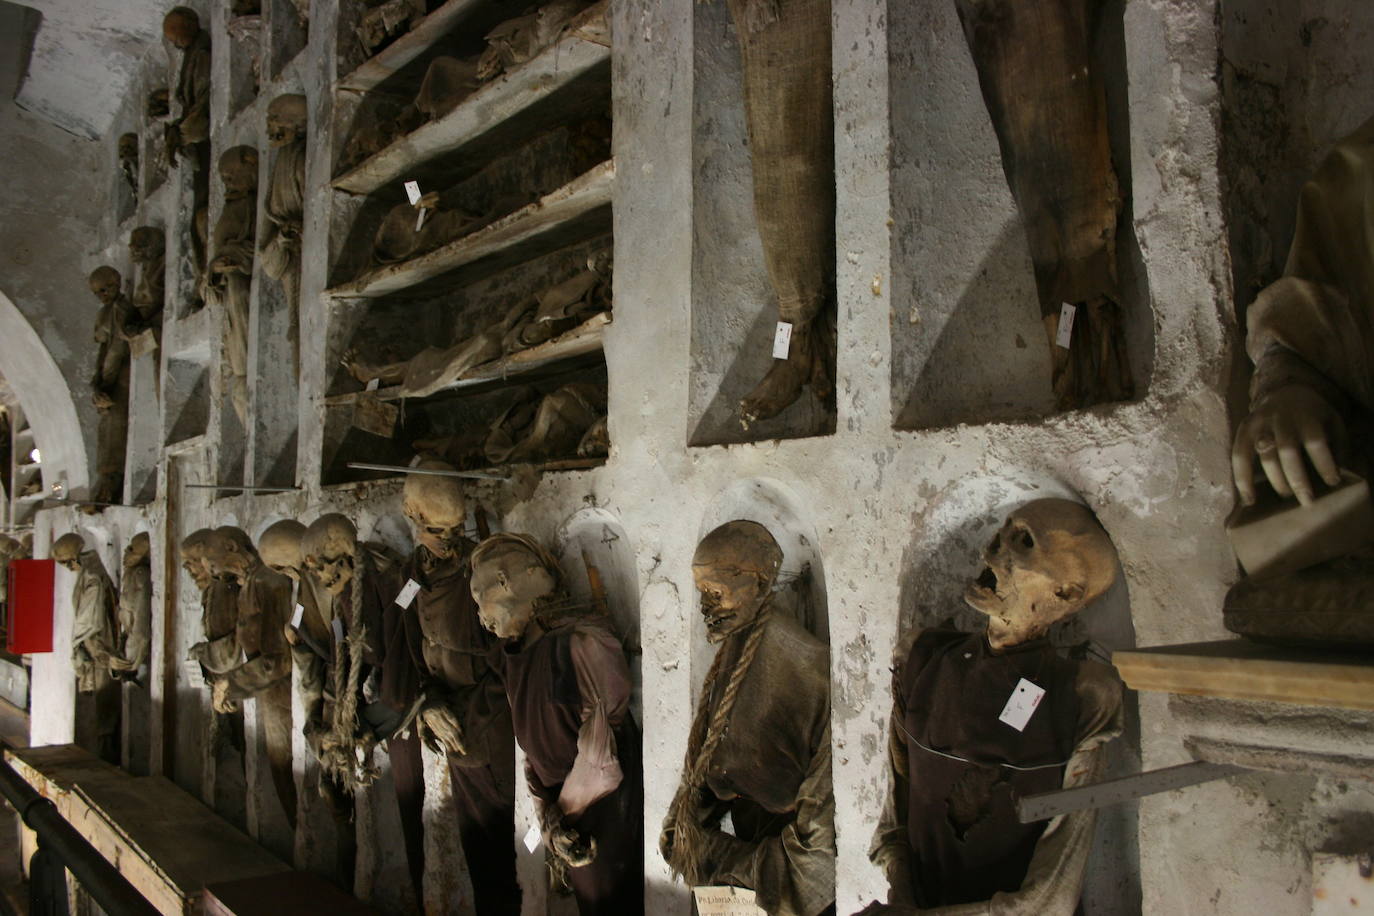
(808,363)
(1096,368)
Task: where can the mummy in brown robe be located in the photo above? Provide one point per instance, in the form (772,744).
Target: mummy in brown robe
(148,250)
(568,685)
(261,666)
(465,713)
(135,610)
(949,839)
(94,638)
(1045,94)
(230,272)
(110,383)
(181,26)
(759,748)
(280,246)
(128,160)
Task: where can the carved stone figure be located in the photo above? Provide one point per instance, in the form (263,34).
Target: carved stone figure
(465,713)
(568,684)
(181,26)
(759,748)
(230,272)
(128,160)
(110,383)
(1311,337)
(261,663)
(518,41)
(148,249)
(949,839)
(135,611)
(280,246)
(386,21)
(94,636)
(547,428)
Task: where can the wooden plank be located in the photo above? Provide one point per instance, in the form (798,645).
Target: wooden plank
(589,191)
(409,46)
(297,892)
(498,102)
(1242,670)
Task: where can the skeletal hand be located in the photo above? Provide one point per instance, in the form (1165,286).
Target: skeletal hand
(292,637)
(568,845)
(441,729)
(428,201)
(219,697)
(101,400)
(1280,428)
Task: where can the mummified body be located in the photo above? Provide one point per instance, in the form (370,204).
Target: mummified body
(759,749)
(260,666)
(181,26)
(465,713)
(135,611)
(280,248)
(94,637)
(949,835)
(568,684)
(148,249)
(230,271)
(1036,69)
(128,160)
(369,637)
(1311,337)
(110,383)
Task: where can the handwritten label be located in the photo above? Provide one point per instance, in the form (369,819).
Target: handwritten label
(338,630)
(1021,705)
(194,675)
(726,901)
(296,617)
(782,340)
(408,593)
(1065,334)
(532,838)
(413,192)
(373,384)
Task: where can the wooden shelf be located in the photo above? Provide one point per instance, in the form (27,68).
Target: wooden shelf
(372,72)
(582,340)
(511,100)
(560,218)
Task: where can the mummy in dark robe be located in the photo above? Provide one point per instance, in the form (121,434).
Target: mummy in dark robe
(181,26)
(280,246)
(94,637)
(110,383)
(148,250)
(229,275)
(135,610)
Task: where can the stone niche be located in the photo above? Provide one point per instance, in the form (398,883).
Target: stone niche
(968,344)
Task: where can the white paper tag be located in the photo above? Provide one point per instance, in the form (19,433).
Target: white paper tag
(194,675)
(1021,705)
(413,192)
(726,901)
(373,384)
(727,824)
(296,617)
(1065,334)
(420,220)
(408,593)
(532,838)
(782,340)
(338,630)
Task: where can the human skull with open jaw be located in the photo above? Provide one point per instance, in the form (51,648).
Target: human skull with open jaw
(193,557)
(1049,560)
(330,548)
(435,507)
(734,567)
(105,282)
(230,555)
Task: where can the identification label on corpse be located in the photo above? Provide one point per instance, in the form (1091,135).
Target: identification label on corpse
(408,593)
(1022,704)
(782,340)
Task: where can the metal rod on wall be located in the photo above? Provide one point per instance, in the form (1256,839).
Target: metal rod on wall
(433,472)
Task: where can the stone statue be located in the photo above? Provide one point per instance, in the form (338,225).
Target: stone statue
(261,666)
(1036,68)
(280,246)
(568,684)
(963,749)
(228,277)
(94,637)
(759,748)
(110,383)
(135,611)
(465,713)
(181,26)
(1311,337)
(148,249)
(128,160)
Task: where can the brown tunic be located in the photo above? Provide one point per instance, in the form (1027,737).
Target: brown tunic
(111,378)
(263,610)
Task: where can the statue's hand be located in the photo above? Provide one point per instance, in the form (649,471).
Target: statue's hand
(1283,425)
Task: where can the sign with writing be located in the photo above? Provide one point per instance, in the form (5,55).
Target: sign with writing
(726,901)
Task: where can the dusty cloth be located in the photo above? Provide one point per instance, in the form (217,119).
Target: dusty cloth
(274,723)
(111,378)
(149,296)
(455,655)
(193,92)
(281,244)
(219,621)
(569,694)
(264,607)
(1035,66)
(226,281)
(519,40)
(550,427)
(949,836)
(136,614)
(447,82)
(408,776)
(94,628)
(375,127)
(560,308)
(387,21)
(313,661)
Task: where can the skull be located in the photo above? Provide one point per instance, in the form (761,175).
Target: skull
(280,547)
(512,575)
(67,549)
(180,26)
(158,103)
(1049,560)
(329,546)
(229,554)
(193,557)
(105,283)
(128,148)
(436,508)
(238,169)
(146,244)
(735,567)
(137,551)
(286,120)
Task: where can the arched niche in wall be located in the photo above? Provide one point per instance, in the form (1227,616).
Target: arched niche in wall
(594,538)
(943,557)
